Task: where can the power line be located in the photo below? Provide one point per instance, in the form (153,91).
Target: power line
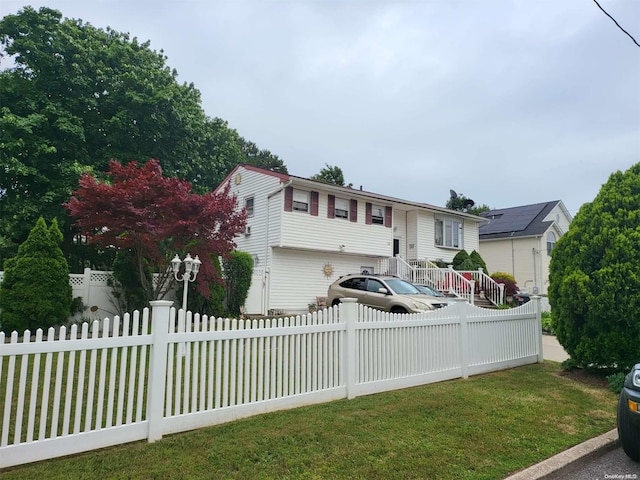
(614,21)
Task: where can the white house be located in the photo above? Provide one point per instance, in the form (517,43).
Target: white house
(519,241)
(304,234)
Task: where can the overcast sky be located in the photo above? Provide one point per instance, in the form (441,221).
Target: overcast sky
(509,102)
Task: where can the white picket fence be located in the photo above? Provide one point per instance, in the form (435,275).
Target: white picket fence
(157,372)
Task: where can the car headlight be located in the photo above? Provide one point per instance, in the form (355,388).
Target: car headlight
(422,306)
(635,378)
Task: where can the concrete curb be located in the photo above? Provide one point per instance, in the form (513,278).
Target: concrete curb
(567,460)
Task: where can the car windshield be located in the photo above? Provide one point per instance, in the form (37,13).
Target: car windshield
(428,291)
(402,287)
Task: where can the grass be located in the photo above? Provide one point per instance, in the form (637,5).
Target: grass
(484,427)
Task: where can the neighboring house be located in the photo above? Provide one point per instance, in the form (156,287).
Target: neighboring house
(304,234)
(519,241)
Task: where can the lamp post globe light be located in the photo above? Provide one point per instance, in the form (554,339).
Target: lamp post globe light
(191,268)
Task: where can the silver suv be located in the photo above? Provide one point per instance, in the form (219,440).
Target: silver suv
(384,292)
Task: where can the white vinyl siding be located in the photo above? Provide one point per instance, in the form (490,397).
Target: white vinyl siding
(328,234)
(297,277)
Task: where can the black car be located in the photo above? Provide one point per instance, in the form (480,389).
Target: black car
(520,298)
(629,414)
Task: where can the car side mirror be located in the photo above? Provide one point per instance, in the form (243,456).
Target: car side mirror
(383,290)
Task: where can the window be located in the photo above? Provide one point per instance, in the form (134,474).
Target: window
(551,242)
(248,206)
(377,214)
(374,285)
(448,233)
(300,201)
(356,283)
(342,208)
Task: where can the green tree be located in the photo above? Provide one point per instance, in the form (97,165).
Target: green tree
(237,271)
(73,98)
(461,203)
(330,174)
(461,257)
(594,277)
(36,292)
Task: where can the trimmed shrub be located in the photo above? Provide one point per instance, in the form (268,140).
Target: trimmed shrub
(35,292)
(214,304)
(594,277)
(128,289)
(478,262)
(510,287)
(459,259)
(237,271)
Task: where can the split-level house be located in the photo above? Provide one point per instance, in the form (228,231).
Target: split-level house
(519,241)
(305,234)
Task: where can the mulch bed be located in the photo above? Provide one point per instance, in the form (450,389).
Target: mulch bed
(593,379)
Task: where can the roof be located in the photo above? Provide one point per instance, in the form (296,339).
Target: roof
(309,183)
(523,221)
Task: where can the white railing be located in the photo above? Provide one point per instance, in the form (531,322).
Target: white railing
(158,372)
(487,286)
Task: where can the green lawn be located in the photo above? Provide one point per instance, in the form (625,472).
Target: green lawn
(481,428)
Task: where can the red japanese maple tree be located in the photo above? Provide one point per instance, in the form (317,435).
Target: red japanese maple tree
(155,217)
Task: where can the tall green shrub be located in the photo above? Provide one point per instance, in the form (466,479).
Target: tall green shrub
(459,259)
(478,262)
(237,271)
(128,287)
(35,292)
(594,277)
(214,304)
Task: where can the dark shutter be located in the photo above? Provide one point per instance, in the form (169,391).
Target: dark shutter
(331,206)
(288,199)
(387,216)
(367,219)
(314,204)
(353,214)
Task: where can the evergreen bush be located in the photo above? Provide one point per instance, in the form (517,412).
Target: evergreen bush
(237,271)
(459,258)
(35,292)
(594,277)
(478,262)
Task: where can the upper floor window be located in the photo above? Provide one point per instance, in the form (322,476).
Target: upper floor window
(342,208)
(377,214)
(551,242)
(248,206)
(300,200)
(449,233)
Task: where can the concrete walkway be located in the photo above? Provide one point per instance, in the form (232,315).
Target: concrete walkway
(552,350)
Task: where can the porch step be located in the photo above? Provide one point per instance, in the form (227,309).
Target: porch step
(482,302)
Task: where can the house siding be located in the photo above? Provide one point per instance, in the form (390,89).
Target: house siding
(521,257)
(298,277)
(304,231)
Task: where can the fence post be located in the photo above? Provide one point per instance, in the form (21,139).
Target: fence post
(86,287)
(349,313)
(537,307)
(160,313)
(461,308)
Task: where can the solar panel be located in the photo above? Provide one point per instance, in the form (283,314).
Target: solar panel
(510,219)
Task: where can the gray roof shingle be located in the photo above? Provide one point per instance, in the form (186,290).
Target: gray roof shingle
(523,221)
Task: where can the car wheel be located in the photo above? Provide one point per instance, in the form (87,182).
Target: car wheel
(398,310)
(629,434)
(335,302)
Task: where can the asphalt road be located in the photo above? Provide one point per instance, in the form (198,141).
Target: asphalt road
(613,465)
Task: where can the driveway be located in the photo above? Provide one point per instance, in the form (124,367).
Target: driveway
(552,350)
